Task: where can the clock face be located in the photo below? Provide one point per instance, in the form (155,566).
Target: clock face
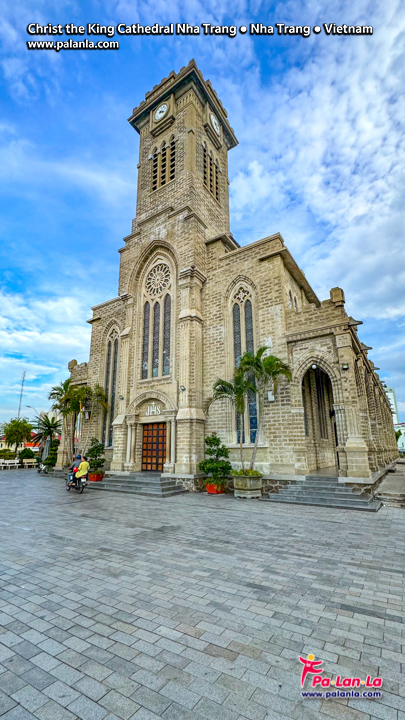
(161,111)
(215,124)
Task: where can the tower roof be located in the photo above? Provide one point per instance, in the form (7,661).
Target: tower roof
(175,82)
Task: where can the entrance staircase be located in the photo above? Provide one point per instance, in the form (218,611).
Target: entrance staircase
(141,483)
(325,491)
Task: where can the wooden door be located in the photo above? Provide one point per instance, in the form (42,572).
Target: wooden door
(154,446)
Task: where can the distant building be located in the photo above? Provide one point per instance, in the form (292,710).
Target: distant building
(401,439)
(390,393)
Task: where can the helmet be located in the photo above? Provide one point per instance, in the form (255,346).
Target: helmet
(78,457)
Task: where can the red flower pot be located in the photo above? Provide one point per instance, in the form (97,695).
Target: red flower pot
(95,477)
(214,490)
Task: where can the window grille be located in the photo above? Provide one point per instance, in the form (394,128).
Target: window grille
(216,181)
(166,335)
(145,343)
(156,332)
(211,175)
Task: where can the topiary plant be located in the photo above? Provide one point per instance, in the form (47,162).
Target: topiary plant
(215,466)
(95,456)
(50,461)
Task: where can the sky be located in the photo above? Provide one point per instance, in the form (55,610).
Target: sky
(320,124)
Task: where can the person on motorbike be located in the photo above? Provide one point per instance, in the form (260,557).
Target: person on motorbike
(74,467)
(83,468)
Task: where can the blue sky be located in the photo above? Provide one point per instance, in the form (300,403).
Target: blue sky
(321,160)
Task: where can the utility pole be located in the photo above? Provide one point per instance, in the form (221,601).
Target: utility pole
(21,393)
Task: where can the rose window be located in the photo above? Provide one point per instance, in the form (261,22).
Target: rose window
(158,280)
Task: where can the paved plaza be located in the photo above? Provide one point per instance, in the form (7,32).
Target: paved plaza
(194,607)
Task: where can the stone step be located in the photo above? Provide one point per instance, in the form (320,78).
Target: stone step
(344,504)
(133,490)
(332,487)
(325,496)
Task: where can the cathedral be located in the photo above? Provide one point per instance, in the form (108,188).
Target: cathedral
(191,300)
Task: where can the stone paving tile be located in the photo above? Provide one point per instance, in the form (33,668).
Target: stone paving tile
(148,620)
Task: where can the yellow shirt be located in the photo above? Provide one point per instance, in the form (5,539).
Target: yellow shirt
(83,469)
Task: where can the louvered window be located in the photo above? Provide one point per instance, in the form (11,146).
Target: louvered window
(172,159)
(205,166)
(164,165)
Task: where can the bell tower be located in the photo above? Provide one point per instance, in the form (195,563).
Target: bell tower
(184,141)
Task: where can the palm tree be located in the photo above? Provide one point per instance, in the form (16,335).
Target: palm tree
(235,391)
(262,371)
(96,397)
(46,428)
(71,401)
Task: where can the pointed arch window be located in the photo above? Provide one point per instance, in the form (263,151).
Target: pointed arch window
(155,344)
(157,325)
(166,334)
(164,164)
(210,172)
(243,341)
(145,341)
(110,386)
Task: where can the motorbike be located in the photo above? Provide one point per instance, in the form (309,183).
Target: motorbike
(77,484)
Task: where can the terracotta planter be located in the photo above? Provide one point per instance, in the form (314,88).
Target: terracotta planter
(248,486)
(213,490)
(95,477)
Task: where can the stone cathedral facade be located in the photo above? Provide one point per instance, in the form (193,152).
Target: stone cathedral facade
(191,300)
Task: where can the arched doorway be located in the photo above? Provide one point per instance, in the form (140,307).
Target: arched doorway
(319,421)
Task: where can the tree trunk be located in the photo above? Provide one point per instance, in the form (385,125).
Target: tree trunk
(259,418)
(241,440)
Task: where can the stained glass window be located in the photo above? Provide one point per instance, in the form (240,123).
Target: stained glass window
(237,340)
(249,326)
(107,387)
(113,389)
(166,335)
(155,350)
(145,343)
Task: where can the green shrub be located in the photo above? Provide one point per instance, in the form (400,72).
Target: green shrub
(7,454)
(216,468)
(250,473)
(26,453)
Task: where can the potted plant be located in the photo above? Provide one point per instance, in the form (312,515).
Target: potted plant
(215,466)
(95,456)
